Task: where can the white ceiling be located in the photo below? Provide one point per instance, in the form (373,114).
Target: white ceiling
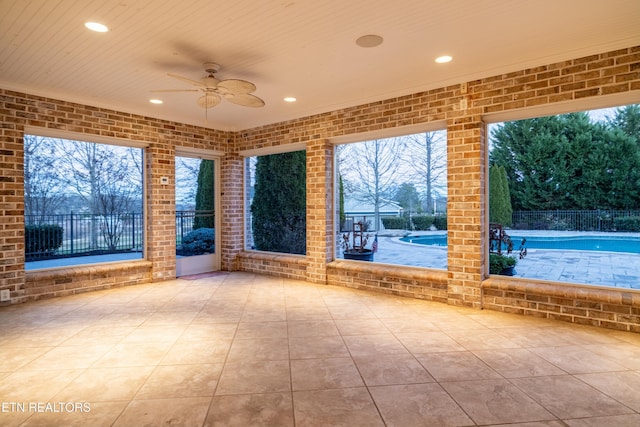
(301,48)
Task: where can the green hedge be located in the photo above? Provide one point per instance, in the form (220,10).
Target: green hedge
(628,223)
(394,223)
(440,222)
(423,222)
(42,238)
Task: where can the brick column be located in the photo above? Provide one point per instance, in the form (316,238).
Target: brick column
(161,208)
(232,206)
(12,208)
(466,172)
(320,201)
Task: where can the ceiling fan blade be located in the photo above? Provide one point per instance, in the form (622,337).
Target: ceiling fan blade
(209,100)
(186,80)
(237,86)
(175,90)
(244,99)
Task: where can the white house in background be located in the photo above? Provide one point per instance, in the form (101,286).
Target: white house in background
(364,211)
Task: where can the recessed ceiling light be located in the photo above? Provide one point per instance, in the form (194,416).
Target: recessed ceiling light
(97,27)
(155,101)
(290,99)
(443,59)
(370,40)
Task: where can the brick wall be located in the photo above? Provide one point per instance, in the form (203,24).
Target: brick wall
(18,110)
(596,79)
(462,107)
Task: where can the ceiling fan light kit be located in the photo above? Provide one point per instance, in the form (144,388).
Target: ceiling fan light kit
(236,91)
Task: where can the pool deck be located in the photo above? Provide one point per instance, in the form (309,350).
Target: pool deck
(610,269)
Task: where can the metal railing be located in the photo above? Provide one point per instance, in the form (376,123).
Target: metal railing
(570,220)
(186,220)
(82,234)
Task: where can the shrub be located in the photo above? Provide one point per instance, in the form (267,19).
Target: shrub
(394,223)
(198,242)
(628,223)
(42,238)
(423,222)
(440,222)
(497,263)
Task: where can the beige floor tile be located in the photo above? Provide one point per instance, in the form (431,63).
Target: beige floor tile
(14,358)
(169,381)
(456,366)
(203,331)
(317,347)
(351,407)
(271,409)
(317,374)
(414,325)
(35,386)
(195,352)
(253,330)
(259,349)
(252,376)
(361,327)
(481,339)
(312,328)
(568,397)
(495,402)
(134,354)
(65,357)
(576,359)
(170,318)
(390,369)
(623,386)
(366,345)
(105,384)
(429,342)
(190,411)
(632,420)
(188,352)
(517,362)
(98,414)
(418,405)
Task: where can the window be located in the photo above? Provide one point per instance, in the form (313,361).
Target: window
(570,185)
(392,198)
(275,202)
(83,202)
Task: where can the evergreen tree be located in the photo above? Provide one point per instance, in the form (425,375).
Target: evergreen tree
(407,196)
(499,200)
(278,210)
(205,196)
(568,162)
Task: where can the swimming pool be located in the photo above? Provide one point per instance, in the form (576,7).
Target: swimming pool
(577,243)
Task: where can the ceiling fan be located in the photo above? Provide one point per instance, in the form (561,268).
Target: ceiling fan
(213,90)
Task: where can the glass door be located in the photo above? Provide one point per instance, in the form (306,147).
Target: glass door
(197,230)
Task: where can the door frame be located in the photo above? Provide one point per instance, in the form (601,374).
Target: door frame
(203,263)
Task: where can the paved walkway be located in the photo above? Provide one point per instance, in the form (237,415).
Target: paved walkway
(586,267)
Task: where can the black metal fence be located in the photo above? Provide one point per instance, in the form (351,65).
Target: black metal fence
(571,220)
(82,234)
(186,220)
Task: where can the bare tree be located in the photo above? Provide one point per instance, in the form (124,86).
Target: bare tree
(427,155)
(372,169)
(108,179)
(44,191)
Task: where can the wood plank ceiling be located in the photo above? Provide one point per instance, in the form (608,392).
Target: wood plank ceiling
(300,48)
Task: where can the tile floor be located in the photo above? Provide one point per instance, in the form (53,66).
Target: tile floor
(236,349)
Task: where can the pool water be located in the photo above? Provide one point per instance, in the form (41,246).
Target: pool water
(576,243)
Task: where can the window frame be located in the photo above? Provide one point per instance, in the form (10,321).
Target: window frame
(104,140)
